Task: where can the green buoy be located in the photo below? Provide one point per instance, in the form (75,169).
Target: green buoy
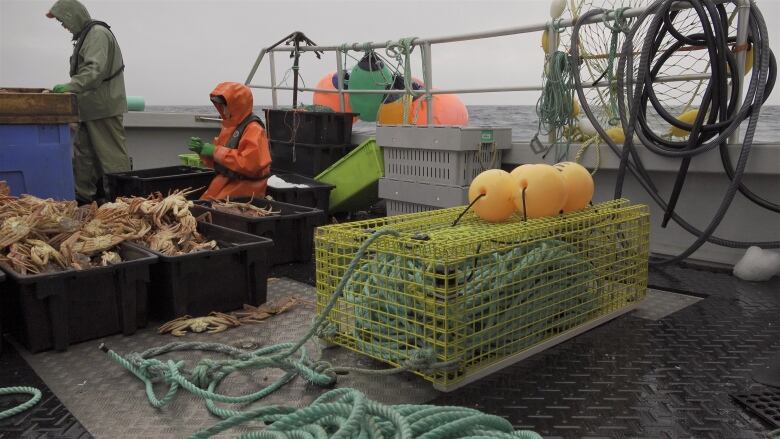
(369,74)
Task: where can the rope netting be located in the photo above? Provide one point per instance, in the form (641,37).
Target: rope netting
(600,41)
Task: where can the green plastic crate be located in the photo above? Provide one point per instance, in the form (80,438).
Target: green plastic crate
(356,178)
(191,160)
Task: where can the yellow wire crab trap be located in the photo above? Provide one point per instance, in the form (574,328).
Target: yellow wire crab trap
(455,303)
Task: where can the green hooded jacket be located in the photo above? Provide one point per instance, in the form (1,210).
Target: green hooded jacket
(98,59)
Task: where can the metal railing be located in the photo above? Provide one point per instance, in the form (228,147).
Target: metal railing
(743,14)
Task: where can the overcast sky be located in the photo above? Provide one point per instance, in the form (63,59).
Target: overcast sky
(177,50)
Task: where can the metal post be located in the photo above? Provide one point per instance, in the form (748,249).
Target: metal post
(272,64)
(428,78)
(296,59)
(254,67)
(743,17)
(340,82)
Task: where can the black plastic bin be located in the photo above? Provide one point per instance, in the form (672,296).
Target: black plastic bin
(312,127)
(315,195)
(292,230)
(213,280)
(305,158)
(55,310)
(145,181)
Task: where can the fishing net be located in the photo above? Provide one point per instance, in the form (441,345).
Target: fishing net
(601,41)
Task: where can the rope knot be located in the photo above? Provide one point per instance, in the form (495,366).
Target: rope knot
(201,374)
(422,360)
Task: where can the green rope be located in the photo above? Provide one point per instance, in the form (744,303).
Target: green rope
(555,107)
(621,25)
(341,413)
(347,413)
(401,50)
(36,397)
(390,296)
(317,108)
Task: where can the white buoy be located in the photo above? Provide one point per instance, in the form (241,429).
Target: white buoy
(758,265)
(556,8)
(586,127)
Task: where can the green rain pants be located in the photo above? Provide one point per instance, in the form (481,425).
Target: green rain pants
(99,149)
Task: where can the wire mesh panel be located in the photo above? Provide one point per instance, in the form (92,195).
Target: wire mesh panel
(449,301)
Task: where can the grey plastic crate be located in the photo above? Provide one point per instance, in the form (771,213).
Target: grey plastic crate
(444,155)
(395,207)
(411,197)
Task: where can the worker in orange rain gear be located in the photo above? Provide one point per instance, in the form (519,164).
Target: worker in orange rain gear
(240,154)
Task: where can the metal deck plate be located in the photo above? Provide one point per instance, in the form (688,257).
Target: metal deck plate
(765,404)
(50,419)
(111,403)
(634,377)
(659,304)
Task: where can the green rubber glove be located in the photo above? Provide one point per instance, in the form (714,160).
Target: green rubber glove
(60,88)
(195,144)
(208,149)
(198,146)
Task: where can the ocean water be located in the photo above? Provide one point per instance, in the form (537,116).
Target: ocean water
(521,118)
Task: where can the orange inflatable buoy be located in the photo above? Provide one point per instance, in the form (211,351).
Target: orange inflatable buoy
(447,110)
(545,190)
(495,188)
(392,113)
(331,100)
(579,185)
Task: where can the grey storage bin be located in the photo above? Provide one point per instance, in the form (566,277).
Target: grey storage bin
(412,197)
(444,155)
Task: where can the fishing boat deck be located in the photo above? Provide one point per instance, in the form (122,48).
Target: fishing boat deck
(668,369)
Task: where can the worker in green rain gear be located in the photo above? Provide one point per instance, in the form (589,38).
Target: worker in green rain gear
(97,79)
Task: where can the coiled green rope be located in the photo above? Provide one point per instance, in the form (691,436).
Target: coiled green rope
(621,26)
(555,107)
(341,413)
(394,322)
(36,397)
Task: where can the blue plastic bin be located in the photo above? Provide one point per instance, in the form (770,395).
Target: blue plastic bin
(36,160)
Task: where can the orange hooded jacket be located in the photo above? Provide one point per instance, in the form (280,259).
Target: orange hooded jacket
(250,158)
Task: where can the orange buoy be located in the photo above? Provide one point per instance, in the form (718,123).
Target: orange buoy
(495,188)
(545,190)
(331,100)
(579,185)
(447,110)
(391,112)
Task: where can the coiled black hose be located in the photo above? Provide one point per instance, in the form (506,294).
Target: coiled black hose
(719,107)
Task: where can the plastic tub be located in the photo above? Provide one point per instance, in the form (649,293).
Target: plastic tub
(317,194)
(305,158)
(54,310)
(312,127)
(356,178)
(292,230)
(37,160)
(164,180)
(212,280)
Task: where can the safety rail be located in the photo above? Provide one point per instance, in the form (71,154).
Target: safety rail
(743,13)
